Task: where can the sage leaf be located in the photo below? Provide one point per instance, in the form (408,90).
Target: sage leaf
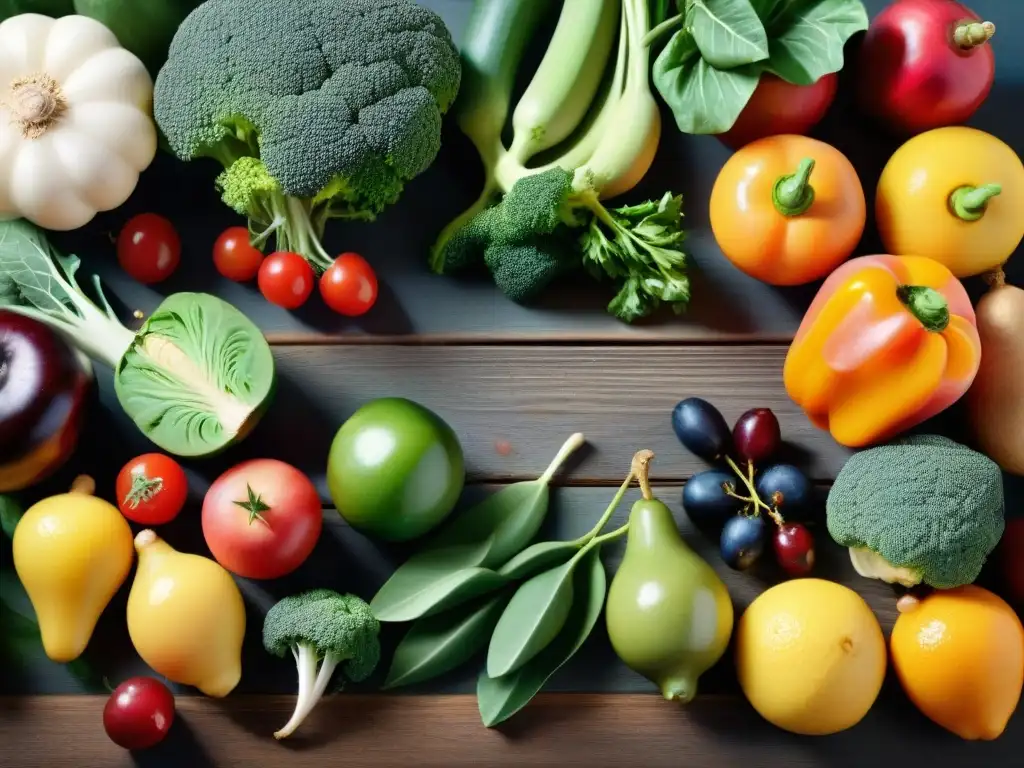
(538,557)
(727,32)
(405,601)
(806,37)
(533,618)
(703,99)
(438,644)
(10,514)
(500,698)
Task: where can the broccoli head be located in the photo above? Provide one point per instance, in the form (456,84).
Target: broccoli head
(340,100)
(921,510)
(322,628)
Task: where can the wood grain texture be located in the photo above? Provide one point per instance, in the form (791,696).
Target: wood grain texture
(555,730)
(415,303)
(511,406)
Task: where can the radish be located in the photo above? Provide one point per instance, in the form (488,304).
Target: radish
(925,64)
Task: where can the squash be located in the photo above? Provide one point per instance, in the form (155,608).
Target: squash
(996,398)
(76,125)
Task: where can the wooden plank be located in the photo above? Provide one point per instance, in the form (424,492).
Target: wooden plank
(555,730)
(726,303)
(511,406)
(348,561)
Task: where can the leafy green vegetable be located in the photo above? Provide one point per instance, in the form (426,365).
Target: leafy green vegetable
(459,558)
(438,644)
(498,698)
(195,378)
(538,557)
(551,220)
(316,110)
(711,66)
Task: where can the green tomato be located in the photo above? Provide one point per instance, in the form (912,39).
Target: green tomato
(395,469)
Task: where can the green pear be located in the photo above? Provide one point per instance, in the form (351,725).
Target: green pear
(669,614)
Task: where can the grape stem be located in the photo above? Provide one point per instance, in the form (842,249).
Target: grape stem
(748,480)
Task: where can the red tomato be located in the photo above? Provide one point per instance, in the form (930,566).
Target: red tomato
(138,713)
(349,286)
(286,279)
(235,257)
(151,489)
(1011,561)
(148,248)
(261,519)
(778,107)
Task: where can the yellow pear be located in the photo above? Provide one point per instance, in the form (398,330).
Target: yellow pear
(72,552)
(186,617)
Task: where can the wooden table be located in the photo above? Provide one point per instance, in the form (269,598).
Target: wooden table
(505,377)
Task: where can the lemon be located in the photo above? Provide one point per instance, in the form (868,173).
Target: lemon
(810,656)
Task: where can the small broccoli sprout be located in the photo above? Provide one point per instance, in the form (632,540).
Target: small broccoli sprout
(322,630)
(316,110)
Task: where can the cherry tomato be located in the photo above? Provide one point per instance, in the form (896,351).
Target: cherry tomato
(778,107)
(262,518)
(148,248)
(349,286)
(138,713)
(151,489)
(286,279)
(235,257)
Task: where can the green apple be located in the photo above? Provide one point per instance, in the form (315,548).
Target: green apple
(395,469)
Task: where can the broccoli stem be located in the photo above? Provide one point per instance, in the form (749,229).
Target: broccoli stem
(312,685)
(296,231)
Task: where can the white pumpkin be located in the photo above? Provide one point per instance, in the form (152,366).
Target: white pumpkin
(76,125)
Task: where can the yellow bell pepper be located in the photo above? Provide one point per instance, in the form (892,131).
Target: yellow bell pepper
(955,195)
(887,343)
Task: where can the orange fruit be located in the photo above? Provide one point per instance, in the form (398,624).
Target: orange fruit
(959,655)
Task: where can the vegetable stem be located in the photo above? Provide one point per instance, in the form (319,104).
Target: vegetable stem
(568,447)
(641,467)
(927,305)
(974,33)
(970,203)
(662,29)
(606,537)
(606,516)
(793,194)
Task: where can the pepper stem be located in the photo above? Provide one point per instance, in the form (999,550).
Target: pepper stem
(793,194)
(641,469)
(969,203)
(973,33)
(927,305)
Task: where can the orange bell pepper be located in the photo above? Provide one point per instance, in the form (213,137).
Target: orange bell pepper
(888,342)
(787,209)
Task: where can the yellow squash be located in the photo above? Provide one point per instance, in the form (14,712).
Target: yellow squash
(72,552)
(186,617)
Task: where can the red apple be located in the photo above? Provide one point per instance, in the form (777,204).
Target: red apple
(43,385)
(778,107)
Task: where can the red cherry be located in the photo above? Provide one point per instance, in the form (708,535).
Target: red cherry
(139,713)
(794,549)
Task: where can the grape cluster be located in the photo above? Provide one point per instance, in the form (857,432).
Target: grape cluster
(737,494)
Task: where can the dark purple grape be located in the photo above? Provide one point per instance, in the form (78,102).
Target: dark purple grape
(757,435)
(705,499)
(701,428)
(786,487)
(742,541)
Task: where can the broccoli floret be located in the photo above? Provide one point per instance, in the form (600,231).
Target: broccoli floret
(546,226)
(322,627)
(341,100)
(923,509)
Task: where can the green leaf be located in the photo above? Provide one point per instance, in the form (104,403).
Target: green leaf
(27,272)
(538,557)
(500,698)
(197,377)
(727,32)
(406,599)
(533,618)
(10,514)
(438,644)
(703,99)
(806,37)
